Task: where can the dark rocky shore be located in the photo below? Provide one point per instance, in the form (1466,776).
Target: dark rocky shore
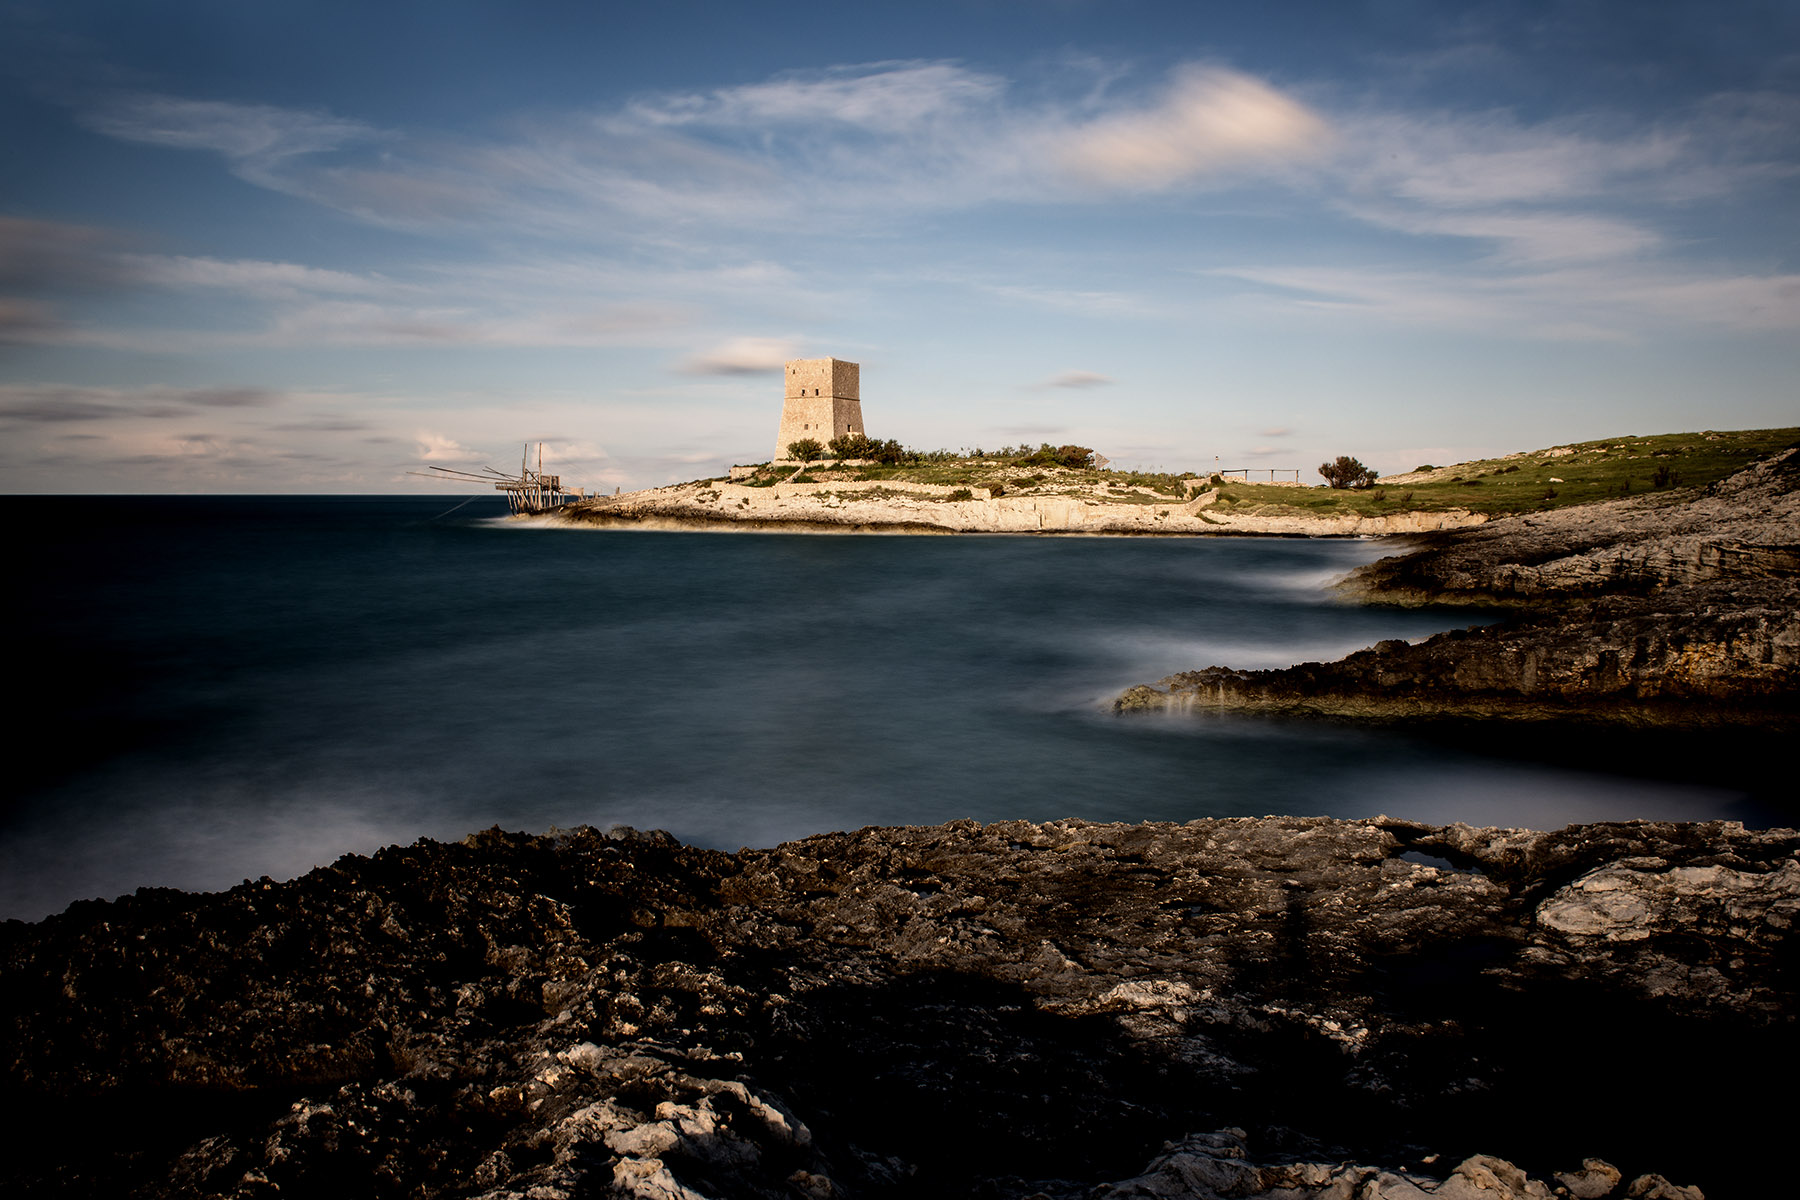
(1258,1007)
(1678,609)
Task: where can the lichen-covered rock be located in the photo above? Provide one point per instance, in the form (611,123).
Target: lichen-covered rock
(1001,1010)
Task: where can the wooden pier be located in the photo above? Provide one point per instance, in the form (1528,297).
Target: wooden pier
(531,491)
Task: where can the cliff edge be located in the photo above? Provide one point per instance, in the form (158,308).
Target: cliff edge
(1673,608)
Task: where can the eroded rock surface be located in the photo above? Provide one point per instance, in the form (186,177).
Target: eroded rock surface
(1669,609)
(1009,1010)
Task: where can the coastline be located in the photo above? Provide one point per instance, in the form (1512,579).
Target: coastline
(1679,610)
(919,508)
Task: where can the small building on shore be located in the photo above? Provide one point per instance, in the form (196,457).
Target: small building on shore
(823,400)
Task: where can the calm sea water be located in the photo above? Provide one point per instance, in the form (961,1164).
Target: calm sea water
(220,688)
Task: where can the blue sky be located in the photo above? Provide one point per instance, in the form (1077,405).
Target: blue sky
(291,247)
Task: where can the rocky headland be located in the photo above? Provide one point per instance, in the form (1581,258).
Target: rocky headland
(923,508)
(1276,1007)
(1681,608)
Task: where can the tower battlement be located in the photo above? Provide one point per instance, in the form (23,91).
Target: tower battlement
(822,400)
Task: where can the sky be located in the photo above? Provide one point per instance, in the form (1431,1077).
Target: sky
(283,247)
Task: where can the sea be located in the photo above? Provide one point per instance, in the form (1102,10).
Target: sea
(211,689)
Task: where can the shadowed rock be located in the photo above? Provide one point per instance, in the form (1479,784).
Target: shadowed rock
(1006,1010)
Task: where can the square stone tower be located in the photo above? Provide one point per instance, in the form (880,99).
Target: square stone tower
(823,401)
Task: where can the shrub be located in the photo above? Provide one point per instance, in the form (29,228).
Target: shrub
(853,445)
(1426,467)
(806,449)
(1078,458)
(1346,472)
(962,494)
(996,488)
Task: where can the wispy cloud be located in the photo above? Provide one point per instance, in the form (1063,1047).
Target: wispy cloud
(640,222)
(886,97)
(250,277)
(28,321)
(849,143)
(1484,160)
(258,141)
(37,254)
(61,403)
(1077,379)
(743,356)
(1605,303)
(1524,237)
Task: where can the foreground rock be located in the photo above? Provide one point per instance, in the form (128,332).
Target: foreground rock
(1673,609)
(1292,1007)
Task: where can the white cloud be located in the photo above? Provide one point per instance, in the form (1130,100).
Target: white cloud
(1210,120)
(437,448)
(888,97)
(1563,229)
(846,144)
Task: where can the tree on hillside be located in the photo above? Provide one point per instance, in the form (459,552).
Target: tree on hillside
(1346,472)
(806,449)
(852,445)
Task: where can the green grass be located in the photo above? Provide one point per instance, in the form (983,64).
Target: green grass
(1526,482)
(1538,481)
(1154,487)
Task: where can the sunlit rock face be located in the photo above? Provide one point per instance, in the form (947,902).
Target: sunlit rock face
(1005,1010)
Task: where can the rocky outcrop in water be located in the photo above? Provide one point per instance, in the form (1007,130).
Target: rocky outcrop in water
(1742,531)
(1667,609)
(1283,1006)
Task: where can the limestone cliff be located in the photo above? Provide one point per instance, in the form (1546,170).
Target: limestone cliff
(1681,608)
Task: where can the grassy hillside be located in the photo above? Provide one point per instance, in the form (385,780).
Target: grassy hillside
(1577,473)
(1011,476)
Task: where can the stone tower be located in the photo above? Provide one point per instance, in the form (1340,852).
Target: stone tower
(823,401)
